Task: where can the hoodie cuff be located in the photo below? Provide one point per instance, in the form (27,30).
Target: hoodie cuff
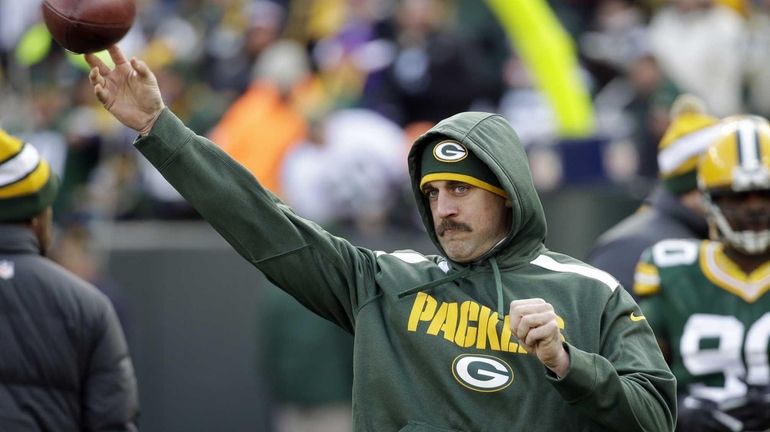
(166,137)
(580,380)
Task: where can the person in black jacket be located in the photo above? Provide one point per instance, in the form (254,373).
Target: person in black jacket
(64,362)
(673,208)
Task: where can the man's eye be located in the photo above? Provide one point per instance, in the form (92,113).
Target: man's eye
(462,188)
(431,194)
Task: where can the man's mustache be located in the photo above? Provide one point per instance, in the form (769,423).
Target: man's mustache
(451,225)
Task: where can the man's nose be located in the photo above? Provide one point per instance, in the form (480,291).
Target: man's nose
(445,205)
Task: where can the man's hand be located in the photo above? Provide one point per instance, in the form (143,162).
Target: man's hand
(533,322)
(129,91)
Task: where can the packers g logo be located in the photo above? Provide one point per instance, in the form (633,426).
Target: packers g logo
(482,373)
(450,151)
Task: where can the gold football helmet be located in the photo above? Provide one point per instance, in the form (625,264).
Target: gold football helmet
(737,161)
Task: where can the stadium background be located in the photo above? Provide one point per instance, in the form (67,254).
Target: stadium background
(587,83)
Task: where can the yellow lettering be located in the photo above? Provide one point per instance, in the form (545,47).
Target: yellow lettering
(467,324)
(450,324)
(445,320)
(466,334)
(438,320)
(423,308)
(488,330)
(505,338)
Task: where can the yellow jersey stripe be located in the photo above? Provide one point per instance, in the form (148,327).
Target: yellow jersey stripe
(724,273)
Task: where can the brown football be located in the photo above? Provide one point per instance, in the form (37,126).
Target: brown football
(85,26)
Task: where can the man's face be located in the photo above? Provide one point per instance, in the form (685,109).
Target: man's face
(468,220)
(746,211)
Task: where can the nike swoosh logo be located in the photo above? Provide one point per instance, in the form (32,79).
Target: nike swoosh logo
(636,318)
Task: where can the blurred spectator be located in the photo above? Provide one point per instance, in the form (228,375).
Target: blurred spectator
(673,209)
(758,80)
(15,18)
(432,64)
(235,45)
(476,24)
(91,138)
(268,120)
(350,171)
(309,21)
(346,53)
(653,95)
(700,45)
(526,107)
(404,59)
(65,363)
(633,93)
(617,38)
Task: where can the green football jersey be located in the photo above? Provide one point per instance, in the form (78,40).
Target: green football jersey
(714,318)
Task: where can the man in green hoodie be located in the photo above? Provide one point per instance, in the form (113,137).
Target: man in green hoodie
(434,348)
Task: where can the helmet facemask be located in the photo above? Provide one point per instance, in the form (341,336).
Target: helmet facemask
(738,164)
(749,242)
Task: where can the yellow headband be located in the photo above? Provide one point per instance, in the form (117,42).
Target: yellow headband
(473,181)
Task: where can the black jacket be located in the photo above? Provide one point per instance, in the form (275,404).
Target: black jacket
(662,216)
(64,362)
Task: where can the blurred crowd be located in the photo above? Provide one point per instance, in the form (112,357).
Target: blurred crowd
(320,99)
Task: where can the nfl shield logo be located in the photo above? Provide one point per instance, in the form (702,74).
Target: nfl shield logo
(6,269)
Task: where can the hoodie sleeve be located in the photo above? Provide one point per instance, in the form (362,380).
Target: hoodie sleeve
(325,273)
(627,386)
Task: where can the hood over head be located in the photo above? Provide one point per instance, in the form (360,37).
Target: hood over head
(492,140)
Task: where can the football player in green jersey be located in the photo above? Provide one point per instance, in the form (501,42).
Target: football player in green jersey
(708,301)
(673,209)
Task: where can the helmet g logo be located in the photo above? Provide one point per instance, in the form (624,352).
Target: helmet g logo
(482,373)
(450,151)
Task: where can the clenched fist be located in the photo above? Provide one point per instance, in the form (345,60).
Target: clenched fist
(533,322)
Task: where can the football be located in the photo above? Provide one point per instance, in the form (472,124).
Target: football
(86,26)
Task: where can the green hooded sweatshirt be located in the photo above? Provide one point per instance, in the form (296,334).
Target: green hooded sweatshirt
(433,349)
